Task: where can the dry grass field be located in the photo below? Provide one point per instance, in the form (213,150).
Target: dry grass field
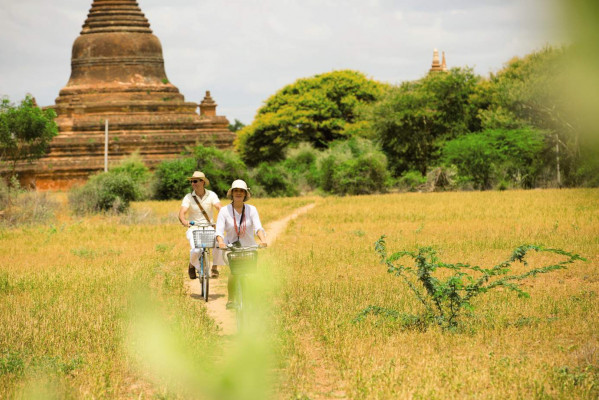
(96,307)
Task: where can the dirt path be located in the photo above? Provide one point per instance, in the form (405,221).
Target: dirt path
(217,298)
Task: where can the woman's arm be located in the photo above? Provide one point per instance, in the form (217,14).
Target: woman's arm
(220,228)
(258,229)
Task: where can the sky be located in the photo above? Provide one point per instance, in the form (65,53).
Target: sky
(244,51)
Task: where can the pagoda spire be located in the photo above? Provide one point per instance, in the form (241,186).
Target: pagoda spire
(115,16)
(436,65)
(443,64)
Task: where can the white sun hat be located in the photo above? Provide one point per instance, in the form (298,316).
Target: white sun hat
(239,184)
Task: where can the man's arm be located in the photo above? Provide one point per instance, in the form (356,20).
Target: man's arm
(182,219)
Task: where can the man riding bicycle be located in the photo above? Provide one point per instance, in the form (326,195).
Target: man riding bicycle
(199,206)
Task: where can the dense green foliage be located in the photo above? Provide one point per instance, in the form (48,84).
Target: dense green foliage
(317,110)
(425,123)
(412,120)
(170,178)
(354,166)
(113,190)
(134,167)
(273,180)
(25,131)
(446,298)
(105,191)
(221,167)
(494,156)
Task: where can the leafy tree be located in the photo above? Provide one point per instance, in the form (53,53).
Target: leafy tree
(25,131)
(317,110)
(412,120)
(236,126)
(530,91)
(497,155)
(170,178)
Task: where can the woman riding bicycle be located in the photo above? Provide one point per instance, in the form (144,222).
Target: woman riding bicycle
(199,205)
(237,224)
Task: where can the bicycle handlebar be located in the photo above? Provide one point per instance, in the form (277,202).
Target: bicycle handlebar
(233,248)
(202,225)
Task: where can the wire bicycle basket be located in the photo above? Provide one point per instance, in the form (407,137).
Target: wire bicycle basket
(204,237)
(243,262)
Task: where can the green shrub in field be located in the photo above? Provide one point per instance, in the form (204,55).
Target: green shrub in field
(134,167)
(445,299)
(273,180)
(411,181)
(301,161)
(354,166)
(495,156)
(170,178)
(221,167)
(107,191)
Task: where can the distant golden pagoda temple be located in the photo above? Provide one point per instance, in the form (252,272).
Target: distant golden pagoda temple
(118,75)
(438,66)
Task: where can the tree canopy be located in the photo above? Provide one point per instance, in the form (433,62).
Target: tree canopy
(316,110)
(413,119)
(25,131)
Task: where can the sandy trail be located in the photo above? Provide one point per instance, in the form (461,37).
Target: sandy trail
(217,294)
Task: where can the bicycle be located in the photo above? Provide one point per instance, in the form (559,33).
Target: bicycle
(204,239)
(243,261)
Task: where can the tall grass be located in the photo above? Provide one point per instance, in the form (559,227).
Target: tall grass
(79,296)
(545,346)
(96,307)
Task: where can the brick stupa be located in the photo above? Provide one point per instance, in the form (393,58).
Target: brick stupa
(436,65)
(117,74)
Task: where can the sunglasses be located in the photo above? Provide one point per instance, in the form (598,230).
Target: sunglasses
(196,181)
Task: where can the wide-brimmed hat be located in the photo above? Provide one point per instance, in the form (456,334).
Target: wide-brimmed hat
(199,175)
(239,184)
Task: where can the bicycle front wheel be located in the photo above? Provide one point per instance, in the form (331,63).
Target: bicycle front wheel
(205,287)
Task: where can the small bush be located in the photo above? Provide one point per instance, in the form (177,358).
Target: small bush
(104,192)
(134,167)
(353,167)
(446,296)
(411,181)
(301,162)
(221,167)
(273,180)
(170,178)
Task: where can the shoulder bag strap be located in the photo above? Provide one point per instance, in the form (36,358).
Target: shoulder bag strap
(202,210)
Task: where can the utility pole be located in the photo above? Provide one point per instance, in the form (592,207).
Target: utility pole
(106,145)
(559,177)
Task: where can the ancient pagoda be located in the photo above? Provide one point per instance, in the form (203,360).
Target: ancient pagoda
(436,65)
(118,75)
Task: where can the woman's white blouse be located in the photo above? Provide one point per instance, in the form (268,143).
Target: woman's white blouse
(225,227)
